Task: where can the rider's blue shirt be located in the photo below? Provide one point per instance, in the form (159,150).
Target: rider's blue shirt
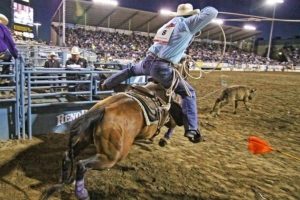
(185,29)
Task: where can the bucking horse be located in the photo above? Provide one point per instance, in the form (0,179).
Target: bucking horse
(112,125)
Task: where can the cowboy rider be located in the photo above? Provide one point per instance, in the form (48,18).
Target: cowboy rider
(170,43)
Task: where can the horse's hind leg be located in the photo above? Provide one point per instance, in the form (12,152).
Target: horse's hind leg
(98,162)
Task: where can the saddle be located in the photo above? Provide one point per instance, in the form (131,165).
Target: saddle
(153,105)
(150,103)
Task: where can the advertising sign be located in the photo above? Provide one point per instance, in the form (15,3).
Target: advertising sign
(23,20)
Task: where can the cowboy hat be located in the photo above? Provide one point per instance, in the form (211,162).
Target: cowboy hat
(185,10)
(3,19)
(75,51)
(52,54)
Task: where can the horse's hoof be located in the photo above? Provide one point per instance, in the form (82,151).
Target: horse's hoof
(163,142)
(82,194)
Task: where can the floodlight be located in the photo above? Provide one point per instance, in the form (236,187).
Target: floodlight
(249,27)
(218,21)
(273,2)
(37,24)
(165,12)
(108,2)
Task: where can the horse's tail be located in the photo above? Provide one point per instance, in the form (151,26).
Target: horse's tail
(81,125)
(84,122)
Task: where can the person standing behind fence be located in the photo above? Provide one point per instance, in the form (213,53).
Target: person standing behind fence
(76,59)
(52,62)
(7,44)
(74,62)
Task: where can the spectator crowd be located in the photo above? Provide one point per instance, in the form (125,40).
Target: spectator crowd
(112,44)
(292,54)
(120,45)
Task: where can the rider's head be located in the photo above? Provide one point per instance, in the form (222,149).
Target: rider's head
(186,10)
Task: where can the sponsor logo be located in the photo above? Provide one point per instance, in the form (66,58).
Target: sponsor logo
(64,118)
(22,28)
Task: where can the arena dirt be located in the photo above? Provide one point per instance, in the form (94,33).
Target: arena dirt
(219,168)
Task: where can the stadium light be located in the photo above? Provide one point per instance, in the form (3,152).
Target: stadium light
(273,2)
(165,12)
(218,21)
(37,24)
(107,2)
(249,27)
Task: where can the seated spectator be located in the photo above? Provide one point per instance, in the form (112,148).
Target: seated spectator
(76,59)
(7,45)
(52,62)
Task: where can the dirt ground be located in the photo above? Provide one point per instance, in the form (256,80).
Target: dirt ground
(219,168)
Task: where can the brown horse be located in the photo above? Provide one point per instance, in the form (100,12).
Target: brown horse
(112,125)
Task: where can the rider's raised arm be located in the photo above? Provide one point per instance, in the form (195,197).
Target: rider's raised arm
(197,22)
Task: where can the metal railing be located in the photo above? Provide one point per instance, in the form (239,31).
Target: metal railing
(57,84)
(12,78)
(39,88)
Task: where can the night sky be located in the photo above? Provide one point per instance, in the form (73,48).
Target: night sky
(44,9)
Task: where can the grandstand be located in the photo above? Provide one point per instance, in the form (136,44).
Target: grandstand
(108,30)
(93,16)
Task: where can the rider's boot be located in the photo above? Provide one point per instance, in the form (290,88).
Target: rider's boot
(194,136)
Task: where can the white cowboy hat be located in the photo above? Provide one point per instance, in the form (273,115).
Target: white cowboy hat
(75,51)
(52,54)
(3,19)
(185,10)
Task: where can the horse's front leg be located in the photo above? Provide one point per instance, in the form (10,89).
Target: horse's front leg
(98,162)
(166,139)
